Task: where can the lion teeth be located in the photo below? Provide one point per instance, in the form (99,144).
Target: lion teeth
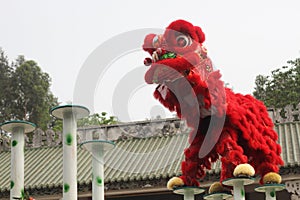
(155,56)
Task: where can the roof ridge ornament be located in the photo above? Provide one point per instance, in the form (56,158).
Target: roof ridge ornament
(287,114)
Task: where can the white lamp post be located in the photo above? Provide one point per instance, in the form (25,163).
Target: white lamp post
(270,190)
(70,114)
(97,148)
(17,129)
(188,192)
(217,196)
(238,184)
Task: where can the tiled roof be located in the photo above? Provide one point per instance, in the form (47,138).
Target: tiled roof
(289,139)
(148,158)
(135,159)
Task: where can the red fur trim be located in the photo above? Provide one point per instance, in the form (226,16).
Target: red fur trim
(200,34)
(184,27)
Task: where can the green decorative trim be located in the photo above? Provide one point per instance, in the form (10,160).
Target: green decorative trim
(181,189)
(14,143)
(69,139)
(23,193)
(59,111)
(99,181)
(10,125)
(242,192)
(107,145)
(12,184)
(272,194)
(66,187)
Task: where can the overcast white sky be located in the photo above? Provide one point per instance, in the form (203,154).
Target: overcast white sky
(244,39)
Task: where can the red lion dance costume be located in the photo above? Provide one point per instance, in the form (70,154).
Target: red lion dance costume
(233,127)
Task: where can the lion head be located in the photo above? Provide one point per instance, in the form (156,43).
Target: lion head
(177,53)
(180,66)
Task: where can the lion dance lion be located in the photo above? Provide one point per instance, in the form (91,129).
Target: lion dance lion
(229,126)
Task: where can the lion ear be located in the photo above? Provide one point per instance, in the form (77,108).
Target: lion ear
(200,34)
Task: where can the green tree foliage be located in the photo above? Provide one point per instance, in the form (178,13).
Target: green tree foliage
(5,87)
(97,119)
(281,88)
(92,120)
(25,92)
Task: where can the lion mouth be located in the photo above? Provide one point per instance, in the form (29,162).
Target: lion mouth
(159,54)
(160,71)
(156,56)
(168,67)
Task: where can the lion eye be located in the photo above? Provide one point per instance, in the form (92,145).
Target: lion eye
(183,41)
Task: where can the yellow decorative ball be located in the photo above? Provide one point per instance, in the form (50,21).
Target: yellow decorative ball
(244,170)
(175,181)
(272,177)
(215,187)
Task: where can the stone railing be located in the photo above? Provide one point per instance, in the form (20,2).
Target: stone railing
(39,138)
(293,187)
(114,132)
(129,130)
